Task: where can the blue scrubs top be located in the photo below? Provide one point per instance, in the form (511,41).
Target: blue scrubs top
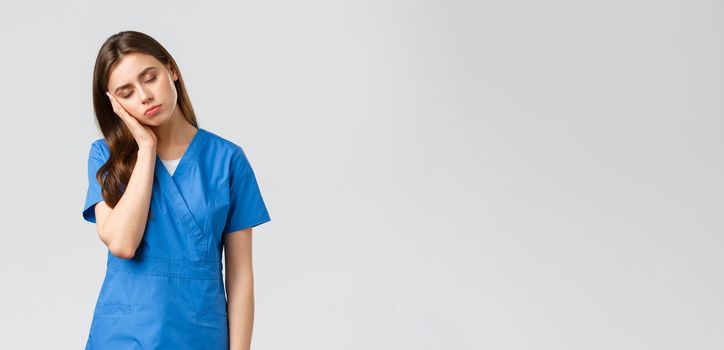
(171,294)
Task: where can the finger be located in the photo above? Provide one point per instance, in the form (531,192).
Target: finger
(117,108)
(129,121)
(113,102)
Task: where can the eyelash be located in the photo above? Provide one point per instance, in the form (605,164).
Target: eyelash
(131,93)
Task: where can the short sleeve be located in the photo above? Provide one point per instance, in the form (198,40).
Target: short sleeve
(246,205)
(97,156)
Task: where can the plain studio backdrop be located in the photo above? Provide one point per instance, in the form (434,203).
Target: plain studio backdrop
(439,174)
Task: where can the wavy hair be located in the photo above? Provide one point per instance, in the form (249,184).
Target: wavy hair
(116,172)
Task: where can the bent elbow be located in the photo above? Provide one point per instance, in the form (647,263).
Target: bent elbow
(122,252)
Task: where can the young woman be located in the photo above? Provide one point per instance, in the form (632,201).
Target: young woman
(166,197)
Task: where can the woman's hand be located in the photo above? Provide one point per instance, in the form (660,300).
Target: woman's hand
(144,135)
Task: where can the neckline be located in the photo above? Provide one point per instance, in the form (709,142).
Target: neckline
(189,152)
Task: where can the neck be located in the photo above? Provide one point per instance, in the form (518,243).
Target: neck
(176,131)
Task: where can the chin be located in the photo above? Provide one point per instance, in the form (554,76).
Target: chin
(151,122)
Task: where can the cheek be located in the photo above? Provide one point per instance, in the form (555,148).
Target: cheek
(170,88)
(128,107)
(132,109)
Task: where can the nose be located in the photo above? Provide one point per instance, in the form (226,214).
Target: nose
(145,96)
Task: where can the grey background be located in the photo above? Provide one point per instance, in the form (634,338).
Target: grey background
(440,174)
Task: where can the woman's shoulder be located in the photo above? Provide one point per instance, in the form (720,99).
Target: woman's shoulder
(224,148)
(221,143)
(101,142)
(99,147)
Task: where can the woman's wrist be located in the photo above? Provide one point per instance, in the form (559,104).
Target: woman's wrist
(147,150)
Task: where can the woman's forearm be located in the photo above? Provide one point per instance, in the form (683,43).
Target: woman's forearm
(240,310)
(123,228)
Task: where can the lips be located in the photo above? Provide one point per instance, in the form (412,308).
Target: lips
(152,110)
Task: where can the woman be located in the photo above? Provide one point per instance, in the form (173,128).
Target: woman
(167,197)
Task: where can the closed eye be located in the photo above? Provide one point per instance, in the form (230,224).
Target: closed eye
(131,93)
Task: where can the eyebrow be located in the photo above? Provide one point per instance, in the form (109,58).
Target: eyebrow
(139,75)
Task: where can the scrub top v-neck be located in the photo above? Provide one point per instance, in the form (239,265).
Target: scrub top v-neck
(171,164)
(171,295)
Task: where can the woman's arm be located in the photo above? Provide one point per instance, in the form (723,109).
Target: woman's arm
(239,288)
(122,227)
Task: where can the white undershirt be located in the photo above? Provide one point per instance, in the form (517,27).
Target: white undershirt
(171,164)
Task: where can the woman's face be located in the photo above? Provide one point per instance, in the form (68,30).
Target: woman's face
(139,82)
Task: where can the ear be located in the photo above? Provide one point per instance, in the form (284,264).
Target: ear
(173,72)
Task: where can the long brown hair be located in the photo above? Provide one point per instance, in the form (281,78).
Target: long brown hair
(115,173)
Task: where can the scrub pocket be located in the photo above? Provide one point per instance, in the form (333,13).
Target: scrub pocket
(105,317)
(111,309)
